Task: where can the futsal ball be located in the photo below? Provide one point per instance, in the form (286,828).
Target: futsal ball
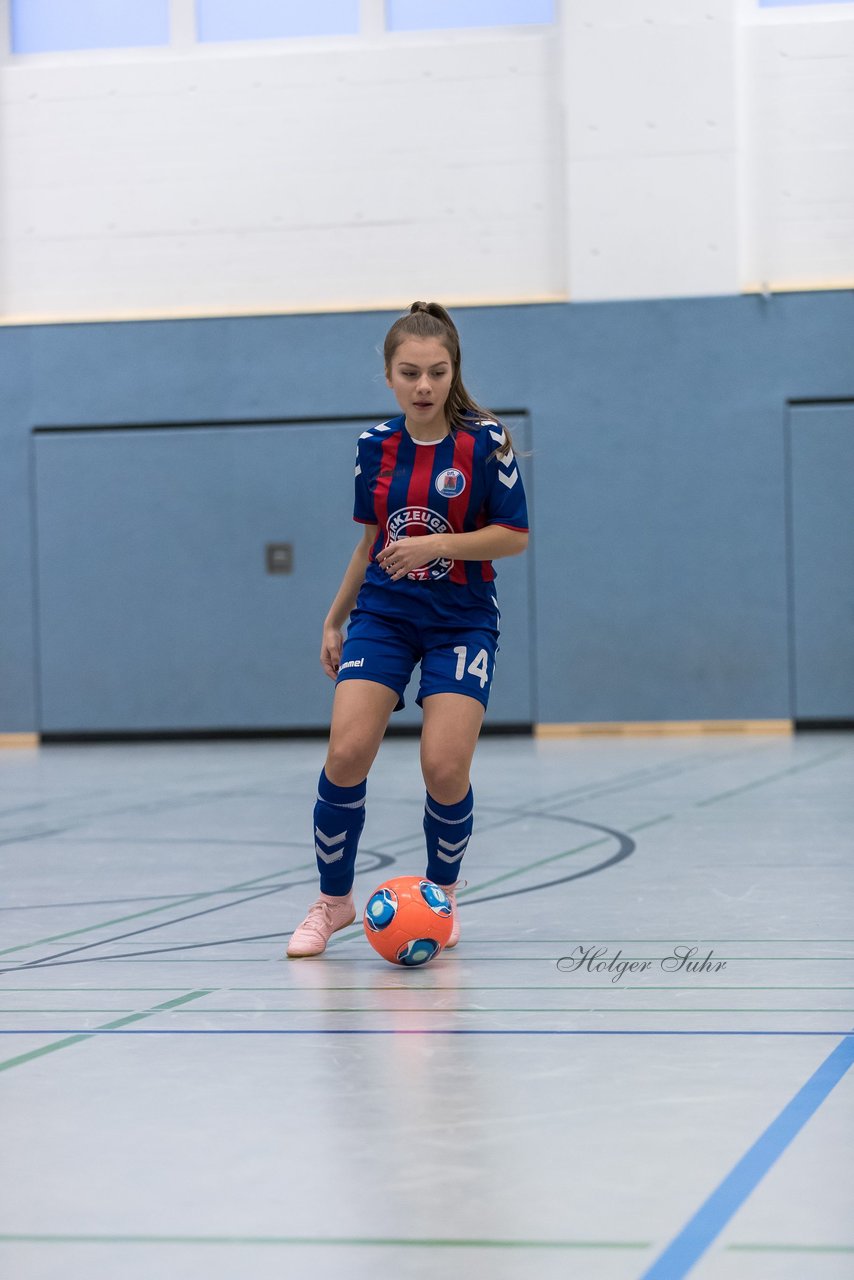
(408,920)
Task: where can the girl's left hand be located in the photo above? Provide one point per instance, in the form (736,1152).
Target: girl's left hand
(401,557)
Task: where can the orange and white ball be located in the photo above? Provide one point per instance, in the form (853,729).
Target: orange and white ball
(408,920)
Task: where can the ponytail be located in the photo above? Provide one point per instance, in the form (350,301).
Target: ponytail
(431,320)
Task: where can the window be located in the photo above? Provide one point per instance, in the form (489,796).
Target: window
(275,19)
(59,26)
(48,26)
(780,4)
(426,15)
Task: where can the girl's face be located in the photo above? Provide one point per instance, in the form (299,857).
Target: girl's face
(420,376)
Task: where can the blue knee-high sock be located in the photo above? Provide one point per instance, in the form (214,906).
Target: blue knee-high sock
(447,828)
(339,816)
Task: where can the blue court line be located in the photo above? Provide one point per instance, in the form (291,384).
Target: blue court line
(712,1216)
(383,1031)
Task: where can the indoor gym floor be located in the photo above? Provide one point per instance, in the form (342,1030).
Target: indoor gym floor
(178,1101)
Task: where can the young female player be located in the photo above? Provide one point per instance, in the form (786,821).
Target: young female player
(440,497)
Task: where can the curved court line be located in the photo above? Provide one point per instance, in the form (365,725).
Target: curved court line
(637,777)
(625,848)
(577,795)
(713,1215)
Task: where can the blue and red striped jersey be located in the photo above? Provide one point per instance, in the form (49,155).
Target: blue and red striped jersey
(454,485)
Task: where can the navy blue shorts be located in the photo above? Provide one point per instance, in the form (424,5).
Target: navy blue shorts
(386,650)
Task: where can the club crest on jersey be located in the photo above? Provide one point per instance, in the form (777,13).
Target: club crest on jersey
(416,522)
(450,483)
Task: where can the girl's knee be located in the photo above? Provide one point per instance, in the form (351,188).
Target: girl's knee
(348,763)
(447,780)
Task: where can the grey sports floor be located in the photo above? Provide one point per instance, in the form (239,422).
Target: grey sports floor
(178,1101)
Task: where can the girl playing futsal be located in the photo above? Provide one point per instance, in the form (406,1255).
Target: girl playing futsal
(440,497)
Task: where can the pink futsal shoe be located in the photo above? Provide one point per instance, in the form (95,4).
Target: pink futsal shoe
(451,891)
(325,916)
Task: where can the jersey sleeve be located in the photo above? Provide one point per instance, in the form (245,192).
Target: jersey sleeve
(505,493)
(363,506)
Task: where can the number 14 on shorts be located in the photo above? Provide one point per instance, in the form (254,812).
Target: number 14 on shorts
(477,667)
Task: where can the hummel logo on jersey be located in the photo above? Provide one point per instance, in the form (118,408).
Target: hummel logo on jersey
(354,662)
(509,475)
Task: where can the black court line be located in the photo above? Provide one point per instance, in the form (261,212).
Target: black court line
(405,843)
(626,846)
(649,773)
(57,958)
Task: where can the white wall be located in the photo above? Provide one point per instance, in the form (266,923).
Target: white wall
(799,150)
(651,175)
(300,176)
(641,148)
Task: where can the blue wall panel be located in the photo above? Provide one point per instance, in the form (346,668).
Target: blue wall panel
(18,710)
(822,539)
(156,609)
(659,552)
(664,491)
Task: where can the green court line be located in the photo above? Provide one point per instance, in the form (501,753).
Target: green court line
(347,935)
(109,1026)
(323,1241)
(772,777)
(138,915)
(181,901)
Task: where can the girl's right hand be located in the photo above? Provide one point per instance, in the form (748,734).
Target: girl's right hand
(330,650)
